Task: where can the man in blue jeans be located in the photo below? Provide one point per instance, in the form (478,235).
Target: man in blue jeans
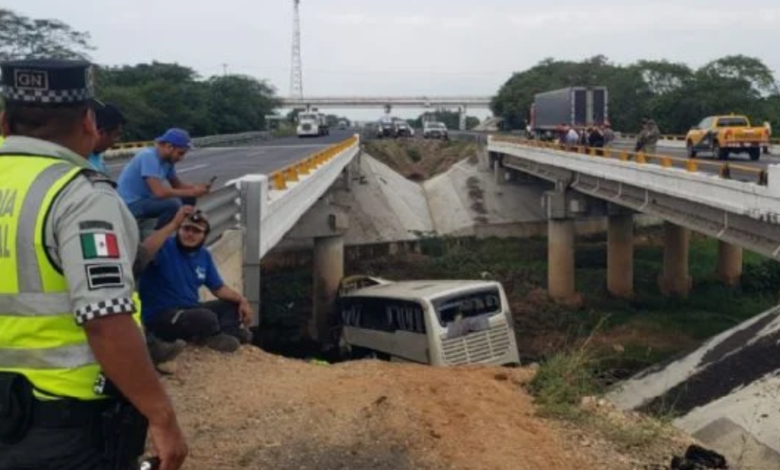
(142,181)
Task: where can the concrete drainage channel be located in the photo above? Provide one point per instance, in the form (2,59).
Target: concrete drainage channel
(727,392)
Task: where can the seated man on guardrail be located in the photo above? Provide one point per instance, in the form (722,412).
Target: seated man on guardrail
(109,123)
(169,288)
(142,183)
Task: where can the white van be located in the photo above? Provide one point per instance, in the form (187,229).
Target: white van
(442,323)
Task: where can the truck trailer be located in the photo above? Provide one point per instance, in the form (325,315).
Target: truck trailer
(578,107)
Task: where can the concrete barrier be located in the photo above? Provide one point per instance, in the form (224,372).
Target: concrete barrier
(725,393)
(227,254)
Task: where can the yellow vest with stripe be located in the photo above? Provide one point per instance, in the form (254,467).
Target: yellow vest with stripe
(39,336)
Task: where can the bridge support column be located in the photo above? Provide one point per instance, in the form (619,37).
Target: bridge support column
(560,258)
(674,280)
(328,272)
(729,263)
(620,254)
(560,244)
(462,110)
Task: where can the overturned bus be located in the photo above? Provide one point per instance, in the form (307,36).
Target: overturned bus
(437,322)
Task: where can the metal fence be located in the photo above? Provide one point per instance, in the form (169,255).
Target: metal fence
(223,210)
(207,141)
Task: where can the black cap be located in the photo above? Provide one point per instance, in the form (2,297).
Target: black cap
(47,82)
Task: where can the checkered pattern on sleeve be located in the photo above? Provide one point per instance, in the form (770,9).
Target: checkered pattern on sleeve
(104,308)
(77,95)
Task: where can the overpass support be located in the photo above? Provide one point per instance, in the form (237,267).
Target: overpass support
(674,280)
(620,252)
(462,110)
(328,272)
(729,263)
(326,223)
(560,246)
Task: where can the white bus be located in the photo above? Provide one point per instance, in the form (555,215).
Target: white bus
(441,323)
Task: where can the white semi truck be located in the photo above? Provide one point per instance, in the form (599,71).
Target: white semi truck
(312,124)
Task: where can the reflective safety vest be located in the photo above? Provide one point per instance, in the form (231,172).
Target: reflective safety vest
(39,337)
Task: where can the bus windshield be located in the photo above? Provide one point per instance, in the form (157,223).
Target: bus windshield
(472,304)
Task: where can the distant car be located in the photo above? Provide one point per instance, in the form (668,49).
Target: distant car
(435,130)
(342,125)
(403,129)
(385,129)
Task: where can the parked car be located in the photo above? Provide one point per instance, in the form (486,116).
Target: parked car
(435,130)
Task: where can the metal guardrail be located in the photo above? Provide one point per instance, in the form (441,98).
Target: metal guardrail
(724,170)
(223,209)
(223,206)
(207,141)
(278,180)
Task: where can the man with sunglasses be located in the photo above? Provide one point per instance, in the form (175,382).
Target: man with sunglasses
(169,288)
(142,183)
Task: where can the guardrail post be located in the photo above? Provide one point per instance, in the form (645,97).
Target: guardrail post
(254,192)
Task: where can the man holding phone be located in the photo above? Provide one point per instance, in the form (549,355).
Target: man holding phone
(142,183)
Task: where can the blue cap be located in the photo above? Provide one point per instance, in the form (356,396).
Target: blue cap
(176,137)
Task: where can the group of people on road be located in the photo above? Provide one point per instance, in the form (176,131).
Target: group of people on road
(87,306)
(590,136)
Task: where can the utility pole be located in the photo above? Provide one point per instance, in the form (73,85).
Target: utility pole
(224,69)
(296,71)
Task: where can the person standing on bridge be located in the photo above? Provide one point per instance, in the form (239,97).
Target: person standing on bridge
(142,182)
(109,125)
(77,386)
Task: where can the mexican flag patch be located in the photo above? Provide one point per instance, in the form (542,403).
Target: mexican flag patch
(99,245)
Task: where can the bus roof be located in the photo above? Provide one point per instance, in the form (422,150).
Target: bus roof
(420,289)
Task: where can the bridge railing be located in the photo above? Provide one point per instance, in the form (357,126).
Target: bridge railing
(207,141)
(724,170)
(227,207)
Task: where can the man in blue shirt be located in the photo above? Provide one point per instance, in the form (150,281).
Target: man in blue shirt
(142,181)
(169,293)
(109,123)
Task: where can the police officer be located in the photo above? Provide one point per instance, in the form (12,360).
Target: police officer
(77,387)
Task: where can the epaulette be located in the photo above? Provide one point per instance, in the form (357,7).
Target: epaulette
(98,177)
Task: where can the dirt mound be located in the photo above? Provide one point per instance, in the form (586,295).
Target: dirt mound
(256,410)
(418,159)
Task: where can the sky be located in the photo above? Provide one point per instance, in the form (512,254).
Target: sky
(412,47)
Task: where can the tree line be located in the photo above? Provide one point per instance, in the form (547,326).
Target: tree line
(675,95)
(152,96)
(157,95)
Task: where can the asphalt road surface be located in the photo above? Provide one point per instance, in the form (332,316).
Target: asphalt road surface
(227,163)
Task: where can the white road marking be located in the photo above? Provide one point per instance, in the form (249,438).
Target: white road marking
(196,167)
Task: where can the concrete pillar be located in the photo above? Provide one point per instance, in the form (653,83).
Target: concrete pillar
(500,173)
(328,272)
(675,279)
(729,263)
(462,117)
(620,255)
(560,258)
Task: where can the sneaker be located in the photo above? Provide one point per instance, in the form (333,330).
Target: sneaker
(222,343)
(162,351)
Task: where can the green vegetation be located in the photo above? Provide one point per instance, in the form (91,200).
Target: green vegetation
(628,335)
(152,96)
(675,95)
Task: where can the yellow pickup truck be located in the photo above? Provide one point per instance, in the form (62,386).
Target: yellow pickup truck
(724,135)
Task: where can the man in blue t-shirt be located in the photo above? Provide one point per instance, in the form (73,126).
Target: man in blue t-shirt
(109,122)
(169,293)
(142,183)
